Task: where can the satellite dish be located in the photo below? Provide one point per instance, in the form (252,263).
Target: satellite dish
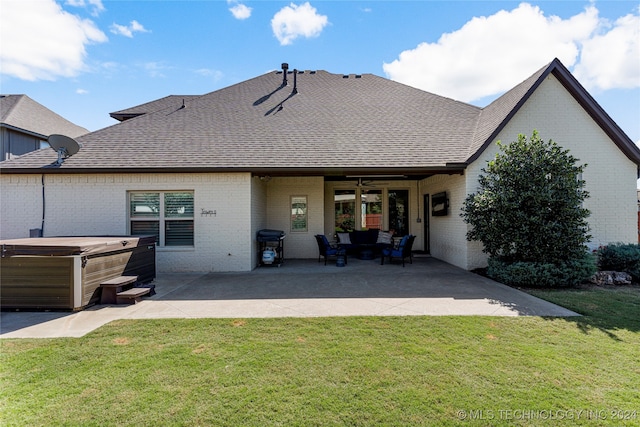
(64,146)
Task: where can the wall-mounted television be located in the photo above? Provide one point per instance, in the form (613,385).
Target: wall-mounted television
(439,204)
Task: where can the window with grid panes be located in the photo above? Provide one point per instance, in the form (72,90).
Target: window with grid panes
(168,215)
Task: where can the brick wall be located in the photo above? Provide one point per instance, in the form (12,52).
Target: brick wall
(297,244)
(97,204)
(20,205)
(447,233)
(259,219)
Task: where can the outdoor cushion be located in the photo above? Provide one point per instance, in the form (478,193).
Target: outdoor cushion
(402,251)
(325,249)
(356,240)
(384,237)
(344,238)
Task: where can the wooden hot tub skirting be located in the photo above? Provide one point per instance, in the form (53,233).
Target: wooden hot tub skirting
(66,272)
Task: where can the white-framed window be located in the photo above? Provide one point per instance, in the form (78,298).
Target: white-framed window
(168,215)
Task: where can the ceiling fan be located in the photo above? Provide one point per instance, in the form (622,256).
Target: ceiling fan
(362,183)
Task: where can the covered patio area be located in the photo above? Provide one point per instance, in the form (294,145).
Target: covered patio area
(301,288)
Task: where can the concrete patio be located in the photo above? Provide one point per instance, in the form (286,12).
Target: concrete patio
(300,288)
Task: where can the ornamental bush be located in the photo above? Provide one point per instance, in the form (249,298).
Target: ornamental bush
(620,257)
(562,273)
(528,212)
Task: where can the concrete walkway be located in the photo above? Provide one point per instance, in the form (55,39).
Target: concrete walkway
(300,288)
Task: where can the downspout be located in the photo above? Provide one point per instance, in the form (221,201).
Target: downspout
(43,209)
(418,197)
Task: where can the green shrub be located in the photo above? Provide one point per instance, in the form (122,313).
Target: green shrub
(567,272)
(620,257)
(529,205)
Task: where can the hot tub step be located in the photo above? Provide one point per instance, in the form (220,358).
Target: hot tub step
(112,287)
(131,296)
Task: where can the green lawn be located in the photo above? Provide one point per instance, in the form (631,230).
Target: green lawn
(338,371)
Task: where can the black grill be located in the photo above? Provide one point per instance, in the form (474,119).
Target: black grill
(274,240)
(270,235)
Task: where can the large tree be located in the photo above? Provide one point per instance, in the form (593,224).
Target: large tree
(529,207)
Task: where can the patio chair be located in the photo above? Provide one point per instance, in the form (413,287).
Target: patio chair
(401,251)
(326,249)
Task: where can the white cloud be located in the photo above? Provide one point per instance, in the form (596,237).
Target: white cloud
(239,10)
(128,30)
(295,21)
(82,91)
(155,69)
(489,55)
(612,59)
(40,41)
(97,5)
(216,75)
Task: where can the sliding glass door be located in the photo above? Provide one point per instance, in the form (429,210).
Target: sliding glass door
(399,211)
(345,210)
(371,210)
(364,209)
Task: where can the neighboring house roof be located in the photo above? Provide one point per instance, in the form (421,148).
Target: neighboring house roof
(21,113)
(317,123)
(150,107)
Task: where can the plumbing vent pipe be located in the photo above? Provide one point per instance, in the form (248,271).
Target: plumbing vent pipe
(295,82)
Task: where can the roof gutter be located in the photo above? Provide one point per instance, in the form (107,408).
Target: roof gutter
(449,169)
(28,132)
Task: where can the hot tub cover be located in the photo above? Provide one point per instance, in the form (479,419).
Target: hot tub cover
(76,245)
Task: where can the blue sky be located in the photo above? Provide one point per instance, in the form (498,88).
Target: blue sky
(86,58)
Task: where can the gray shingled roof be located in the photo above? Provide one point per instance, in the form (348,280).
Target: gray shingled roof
(23,113)
(332,124)
(150,107)
(496,114)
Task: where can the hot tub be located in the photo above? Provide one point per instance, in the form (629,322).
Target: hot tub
(66,272)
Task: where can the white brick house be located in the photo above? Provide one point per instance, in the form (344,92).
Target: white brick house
(241,157)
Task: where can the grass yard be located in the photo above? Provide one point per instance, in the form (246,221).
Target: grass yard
(357,371)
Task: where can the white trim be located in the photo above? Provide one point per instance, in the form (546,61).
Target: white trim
(161,218)
(77,281)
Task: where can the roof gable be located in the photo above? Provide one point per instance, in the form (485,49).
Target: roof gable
(496,115)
